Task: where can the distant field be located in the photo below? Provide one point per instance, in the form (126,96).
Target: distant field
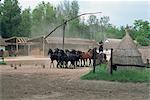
(127,75)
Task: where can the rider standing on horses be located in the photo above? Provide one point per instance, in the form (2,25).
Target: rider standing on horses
(100,46)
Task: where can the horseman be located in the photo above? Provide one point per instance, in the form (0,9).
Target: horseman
(2,54)
(101,47)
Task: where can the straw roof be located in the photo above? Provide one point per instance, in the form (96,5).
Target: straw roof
(2,42)
(127,52)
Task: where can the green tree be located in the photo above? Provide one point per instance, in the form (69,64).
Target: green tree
(93,25)
(0,18)
(142,40)
(67,10)
(142,32)
(26,23)
(43,18)
(11,19)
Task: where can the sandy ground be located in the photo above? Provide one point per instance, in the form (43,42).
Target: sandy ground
(30,82)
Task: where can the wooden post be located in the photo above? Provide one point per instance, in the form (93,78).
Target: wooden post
(111,62)
(29,49)
(17,47)
(64,26)
(94,59)
(147,63)
(43,46)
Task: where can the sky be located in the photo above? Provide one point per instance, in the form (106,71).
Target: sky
(121,12)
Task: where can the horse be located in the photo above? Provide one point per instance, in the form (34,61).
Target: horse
(84,56)
(72,57)
(77,56)
(53,56)
(62,58)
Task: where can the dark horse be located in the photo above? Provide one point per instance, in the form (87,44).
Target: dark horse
(53,56)
(73,57)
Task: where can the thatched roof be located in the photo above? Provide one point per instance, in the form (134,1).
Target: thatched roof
(2,42)
(127,52)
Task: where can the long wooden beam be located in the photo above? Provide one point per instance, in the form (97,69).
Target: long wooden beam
(131,65)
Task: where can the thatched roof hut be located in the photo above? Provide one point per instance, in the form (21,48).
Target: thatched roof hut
(127,53)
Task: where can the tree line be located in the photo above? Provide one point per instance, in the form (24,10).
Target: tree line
(45,17)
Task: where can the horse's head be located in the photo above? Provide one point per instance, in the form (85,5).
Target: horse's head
(66,50)
(89,50)
(50,51)
(73,51)
(56,50)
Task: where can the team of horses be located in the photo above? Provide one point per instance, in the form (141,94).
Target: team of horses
(72,58)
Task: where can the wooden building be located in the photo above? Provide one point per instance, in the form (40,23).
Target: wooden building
(17,45)
(2,44)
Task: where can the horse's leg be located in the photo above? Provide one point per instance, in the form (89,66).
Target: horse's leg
(74,64)
(81,62)
(70,65)
(53,65)
(50,64)
(61,64)
(84,62)
(66,64)
(77,63)
(57,64)
(89,61)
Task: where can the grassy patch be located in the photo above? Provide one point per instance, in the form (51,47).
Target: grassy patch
(2,63)
(127,75)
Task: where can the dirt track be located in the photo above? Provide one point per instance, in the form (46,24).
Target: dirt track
(30,82)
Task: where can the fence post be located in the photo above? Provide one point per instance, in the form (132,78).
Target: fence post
(94,59)
(43,45)
(111,62)
(147,63)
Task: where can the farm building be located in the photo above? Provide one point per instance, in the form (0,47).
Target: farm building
(2,44)
(38,45)
(127,53)
(17,45)
(114,43)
